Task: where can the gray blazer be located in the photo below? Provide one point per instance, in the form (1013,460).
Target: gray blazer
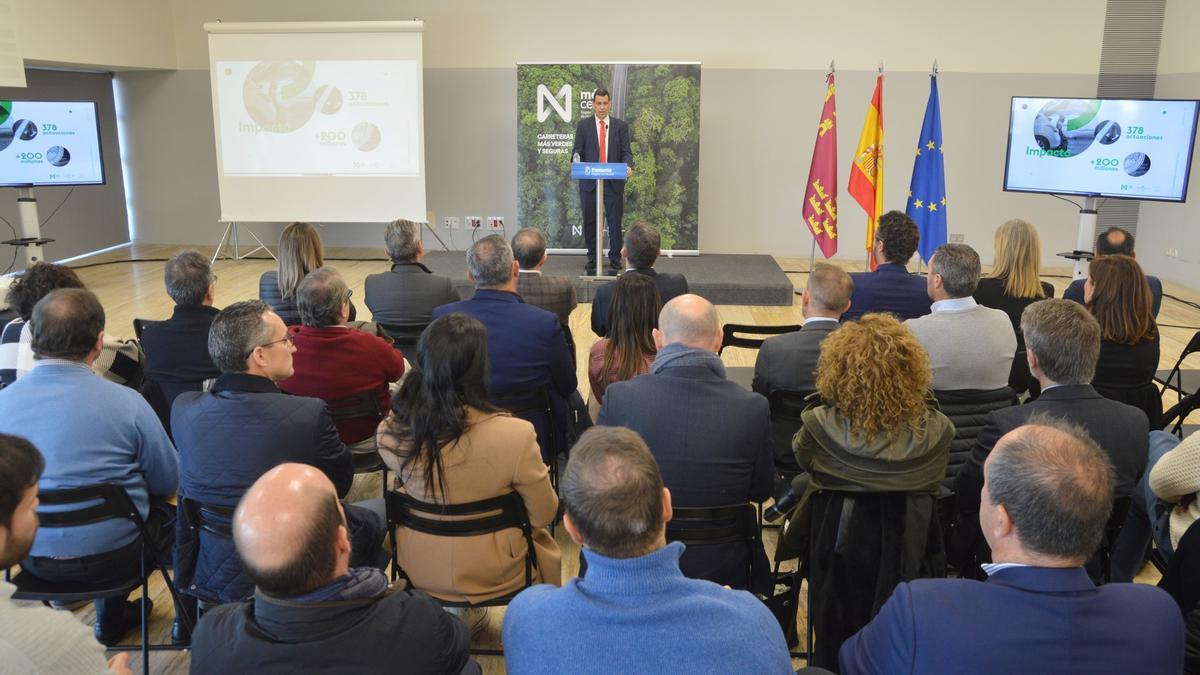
(789,361)
(407,295)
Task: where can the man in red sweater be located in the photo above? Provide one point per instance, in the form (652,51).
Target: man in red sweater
(334,361)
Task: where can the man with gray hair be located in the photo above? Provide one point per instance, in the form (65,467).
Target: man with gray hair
(635,610)
(177,357)
(711,437)
(334,362)
(405,297)
(970,346)
(234,433)
(1046,497)
(1062,344)
(526,344)
(90,431)
(552,293)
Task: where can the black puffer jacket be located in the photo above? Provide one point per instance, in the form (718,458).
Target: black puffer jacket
(968,409)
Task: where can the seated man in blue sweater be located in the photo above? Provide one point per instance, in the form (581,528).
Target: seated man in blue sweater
(91,431)
(635,611)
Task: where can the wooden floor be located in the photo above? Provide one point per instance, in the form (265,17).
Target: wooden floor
(135,290)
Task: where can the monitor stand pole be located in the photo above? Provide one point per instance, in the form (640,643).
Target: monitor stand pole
(31,238)
(1084,238)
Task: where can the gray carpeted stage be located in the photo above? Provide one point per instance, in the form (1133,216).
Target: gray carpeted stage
(722,279)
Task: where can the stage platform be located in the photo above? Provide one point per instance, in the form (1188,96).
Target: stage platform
(722,279)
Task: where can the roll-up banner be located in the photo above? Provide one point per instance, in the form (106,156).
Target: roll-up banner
(661,104)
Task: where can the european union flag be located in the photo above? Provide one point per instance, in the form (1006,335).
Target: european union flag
(927,191)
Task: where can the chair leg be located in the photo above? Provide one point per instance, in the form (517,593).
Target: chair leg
(145,614)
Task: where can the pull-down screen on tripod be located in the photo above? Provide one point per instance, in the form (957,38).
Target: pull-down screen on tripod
(1132,149)
(49,143)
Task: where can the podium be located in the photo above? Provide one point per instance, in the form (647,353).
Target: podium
(599,172)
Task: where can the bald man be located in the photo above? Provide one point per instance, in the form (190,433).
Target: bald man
(710,437)
(311,611)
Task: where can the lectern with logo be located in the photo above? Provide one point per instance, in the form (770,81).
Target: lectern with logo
(599,172)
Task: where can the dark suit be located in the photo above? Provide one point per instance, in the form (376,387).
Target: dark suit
(712,441)
(618,150)
(669,286)
(1122,432)
(1075,292)
(1021,620)
(553,294)
(789,361)
(227,439)
(407,295)
(527,349)
(890,288)
(177,357)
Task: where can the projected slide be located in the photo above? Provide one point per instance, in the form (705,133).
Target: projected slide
(49,143)
(1136,149)
(304,118)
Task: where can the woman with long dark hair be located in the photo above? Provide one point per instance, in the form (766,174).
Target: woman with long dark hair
(629,349)
(1117,294)
(448,445)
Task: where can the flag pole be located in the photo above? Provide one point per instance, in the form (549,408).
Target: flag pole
(871,251)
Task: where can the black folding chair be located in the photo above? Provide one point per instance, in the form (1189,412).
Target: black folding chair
(87,506)
(701,525)
(139,325)
(404,335)
(364,404)
(1172,420)
(215,520)
(730,334)
(528,404)
(463,520)
(1183,380)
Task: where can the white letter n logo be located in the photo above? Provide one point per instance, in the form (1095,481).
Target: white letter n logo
(544,96)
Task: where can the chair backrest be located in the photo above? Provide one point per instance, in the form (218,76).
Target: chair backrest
(527,401)
(696,525)
(87,505)
(1100,566)
(730,337)
(566,329)
(404,336)
(786,407)
(362,404)
(1174,378)
(139,325)
(1172,419)
(470,519)
(211,518)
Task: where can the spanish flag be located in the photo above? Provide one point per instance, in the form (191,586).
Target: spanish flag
(866,175)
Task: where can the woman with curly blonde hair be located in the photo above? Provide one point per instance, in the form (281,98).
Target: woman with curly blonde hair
(873,378)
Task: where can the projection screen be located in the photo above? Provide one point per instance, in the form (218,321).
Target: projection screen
(318,121)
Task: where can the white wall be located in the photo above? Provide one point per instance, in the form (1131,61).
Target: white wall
(97,34)
(1162,226)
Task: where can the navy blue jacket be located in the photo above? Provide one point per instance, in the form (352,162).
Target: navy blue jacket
(619,150)
(669,286)
(890,288)
(527,349)
(1075,292)
(1021,620)
(712,441)
(227,439)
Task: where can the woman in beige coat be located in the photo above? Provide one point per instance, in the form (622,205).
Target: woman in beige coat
(448,444)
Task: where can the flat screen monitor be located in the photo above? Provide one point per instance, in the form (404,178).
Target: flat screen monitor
(1129,149)
(49,143)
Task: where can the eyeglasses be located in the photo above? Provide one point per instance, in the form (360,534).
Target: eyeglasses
(289,338)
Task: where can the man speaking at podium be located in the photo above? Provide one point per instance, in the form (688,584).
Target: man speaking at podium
(603,139)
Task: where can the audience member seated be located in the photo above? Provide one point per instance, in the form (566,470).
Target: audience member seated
(1015,283)
(1118,296)
(642,246)
(789,361)
(313,610)
(1166,501)
(710,437)
(970,346)
(119,360)
(333,361)
(1115,241)
(407,295)
(890,288)
(300,252)
(447,444)
(554,294)
(1047,494)
(629,348)
(1062,343)
(526,346)
(91,431)
(635,611)
(231,435)
(36,639)
(177,357)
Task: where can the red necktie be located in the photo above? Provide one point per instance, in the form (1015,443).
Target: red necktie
(603,142)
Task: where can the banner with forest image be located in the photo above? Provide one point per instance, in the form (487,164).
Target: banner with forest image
(661,104)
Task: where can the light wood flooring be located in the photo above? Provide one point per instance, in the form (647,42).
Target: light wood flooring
(135,290)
